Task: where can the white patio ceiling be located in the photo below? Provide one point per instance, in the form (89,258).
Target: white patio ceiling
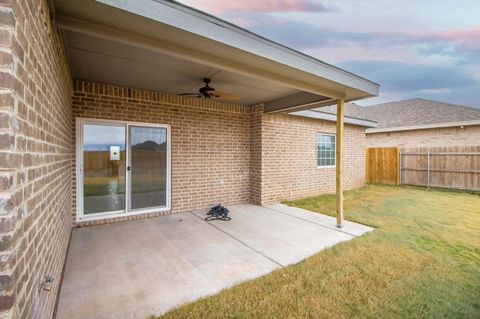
(107,61)
(162,45)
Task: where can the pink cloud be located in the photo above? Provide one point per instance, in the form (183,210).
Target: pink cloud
(468,37)
(264,6)
(463,44)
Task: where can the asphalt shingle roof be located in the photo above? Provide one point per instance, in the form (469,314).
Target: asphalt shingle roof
(409,113)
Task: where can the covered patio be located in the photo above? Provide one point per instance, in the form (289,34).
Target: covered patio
(176,50)
(123,110)
(145,267)
(130,81)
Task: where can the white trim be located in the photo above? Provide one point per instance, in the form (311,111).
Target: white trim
(289,107)
(333,118)
(127,172)
(316,151)
(80,216)
(422,127)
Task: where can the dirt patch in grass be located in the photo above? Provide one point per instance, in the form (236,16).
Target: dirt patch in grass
(422,261)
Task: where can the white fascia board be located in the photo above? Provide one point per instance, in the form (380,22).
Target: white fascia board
(333,118)
(205,25)
(422,127)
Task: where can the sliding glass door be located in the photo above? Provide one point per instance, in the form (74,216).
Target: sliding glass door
(103,168)
(148,167)
(122,168)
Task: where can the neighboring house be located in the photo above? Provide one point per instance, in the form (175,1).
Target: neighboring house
(93,130)
(423,123)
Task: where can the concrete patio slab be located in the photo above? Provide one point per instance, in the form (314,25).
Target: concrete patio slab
(138,268)
(280,237)
(348,227)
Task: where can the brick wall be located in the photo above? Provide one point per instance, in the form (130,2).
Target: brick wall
(210,141)
(226,153)
(35,155)
(449,136)
(289,161)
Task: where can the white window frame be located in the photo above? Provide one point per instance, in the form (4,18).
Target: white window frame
(316,150)
(80,216)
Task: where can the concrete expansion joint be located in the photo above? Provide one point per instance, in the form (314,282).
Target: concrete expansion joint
(337,228)
(238,240)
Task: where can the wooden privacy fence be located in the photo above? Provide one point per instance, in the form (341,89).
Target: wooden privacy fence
(382,165)
(446,167)
(98,163)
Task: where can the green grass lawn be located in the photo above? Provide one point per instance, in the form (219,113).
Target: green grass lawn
(422,261)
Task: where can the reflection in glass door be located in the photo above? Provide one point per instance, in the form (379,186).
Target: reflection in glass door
(103,168)
(147,167)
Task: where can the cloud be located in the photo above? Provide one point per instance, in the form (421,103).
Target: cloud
(407,77)
(462,45)
(300,35)
(409,57)
(265,6)
(405,80)
(467,37)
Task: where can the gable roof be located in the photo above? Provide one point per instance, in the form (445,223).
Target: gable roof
(413,114)
(419,112)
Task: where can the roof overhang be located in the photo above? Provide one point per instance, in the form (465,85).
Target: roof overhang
(176,30)
(315,114)
(422,127)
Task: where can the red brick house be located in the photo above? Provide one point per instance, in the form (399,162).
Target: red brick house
(94,131)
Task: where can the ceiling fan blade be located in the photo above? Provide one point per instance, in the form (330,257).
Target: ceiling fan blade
(190,94)
(224,96)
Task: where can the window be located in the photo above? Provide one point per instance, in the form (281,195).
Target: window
(325,150)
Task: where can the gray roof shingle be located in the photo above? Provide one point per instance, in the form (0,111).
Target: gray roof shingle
(409,113)
(419,112)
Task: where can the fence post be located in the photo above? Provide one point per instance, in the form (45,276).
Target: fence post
(428,169)
(399,167)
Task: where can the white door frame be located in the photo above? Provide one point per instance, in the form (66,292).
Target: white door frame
(80,122)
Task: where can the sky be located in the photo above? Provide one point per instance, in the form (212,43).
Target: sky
(101,137)
(413,49)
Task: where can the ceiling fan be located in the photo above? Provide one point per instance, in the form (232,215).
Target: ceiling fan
(209,92)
